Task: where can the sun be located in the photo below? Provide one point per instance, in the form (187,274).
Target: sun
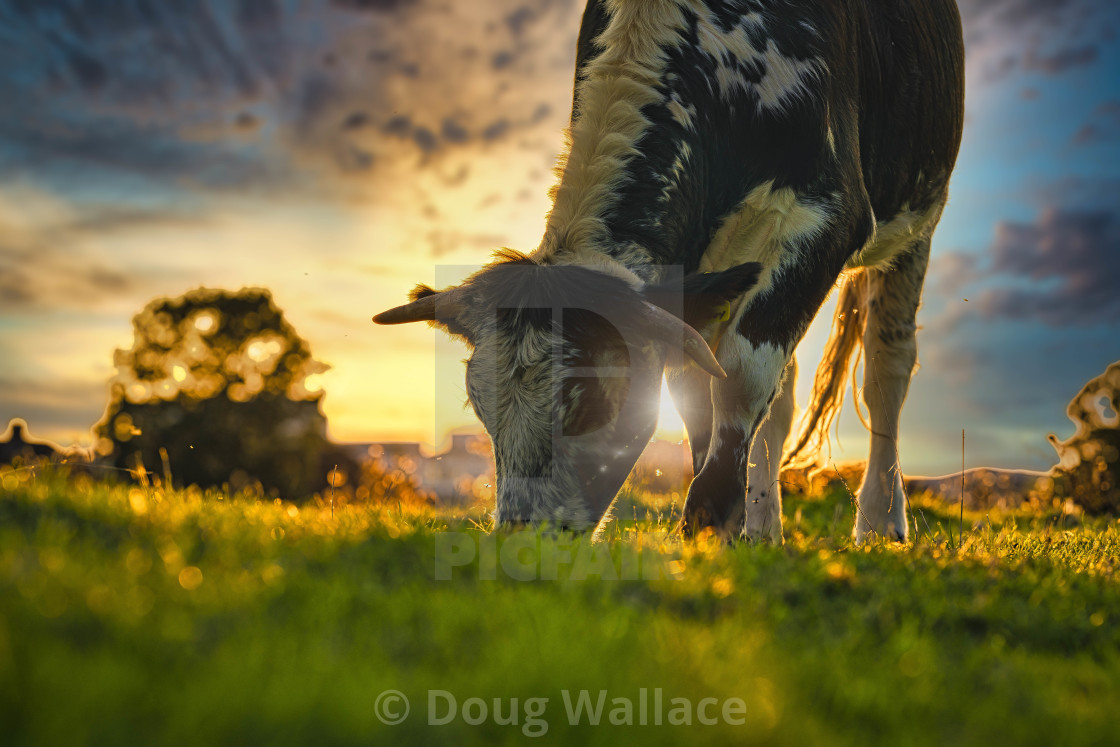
(670,427)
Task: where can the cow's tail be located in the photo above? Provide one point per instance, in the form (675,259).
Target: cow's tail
(832,373)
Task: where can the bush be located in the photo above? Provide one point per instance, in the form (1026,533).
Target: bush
(216,389)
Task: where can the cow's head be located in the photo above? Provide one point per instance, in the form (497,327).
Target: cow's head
(565,372)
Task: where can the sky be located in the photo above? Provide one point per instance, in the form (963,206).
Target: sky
(340,152)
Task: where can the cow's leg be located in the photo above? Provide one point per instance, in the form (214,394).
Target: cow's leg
(716,497)
(691,390)
(891,353)
(764,491)
(758,346)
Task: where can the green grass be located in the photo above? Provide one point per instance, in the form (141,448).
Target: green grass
(132,616)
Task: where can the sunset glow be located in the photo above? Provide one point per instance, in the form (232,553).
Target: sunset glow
(400,145)
(669,424)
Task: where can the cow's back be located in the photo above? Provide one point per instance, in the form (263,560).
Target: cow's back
(861,96)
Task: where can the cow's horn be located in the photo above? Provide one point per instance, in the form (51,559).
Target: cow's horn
(445,305)
(674,331)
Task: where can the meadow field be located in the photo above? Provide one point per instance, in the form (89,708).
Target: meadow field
(135,615)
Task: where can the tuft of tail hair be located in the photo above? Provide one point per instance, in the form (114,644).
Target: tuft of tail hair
(831,379)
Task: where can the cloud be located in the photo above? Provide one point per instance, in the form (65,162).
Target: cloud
(268,95)
(948,270)
(262,94)
(1061,60)
(377,5)
(443,242)
(1048,37)
(139,53)
(496,130)
(1091,193)
(1061,270)
(1103,126)
(45,278)
(47,255)
(56,405)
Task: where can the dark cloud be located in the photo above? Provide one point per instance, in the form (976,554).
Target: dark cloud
(1110,108)
(356,121)
(383,6)
(1062,60)
(101,218)
(258,14)
(90,73)
(106,280)
(949,271)
(1063,269)
(453,132)
(126,89)
(15,287)
(351,158)
(1050,37)
(400,125)
(1088,133)
(52,404)
(982,18)
(1101,193)
(262,94)
(496,130)
(140,51)
(317,97)
(425,139)
(520,18)
(246,122)
(998,375)
(444,242)
(125,146)
(48,265)
(51,280)
(121,90)
(1103,126)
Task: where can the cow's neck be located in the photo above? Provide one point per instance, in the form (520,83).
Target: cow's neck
(617,204)
(630,221)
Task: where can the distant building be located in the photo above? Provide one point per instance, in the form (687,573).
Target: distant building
(455,475)
(464,474)
(16,444)
(461,475)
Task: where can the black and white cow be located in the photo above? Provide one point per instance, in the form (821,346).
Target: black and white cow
(728,161)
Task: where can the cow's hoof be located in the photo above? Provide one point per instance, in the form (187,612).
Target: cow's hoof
(723,534)
(769,535)
(764,521)
(701,518)
(862,533)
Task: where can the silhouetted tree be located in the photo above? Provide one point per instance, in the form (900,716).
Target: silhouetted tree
(1090,459)
(218,388)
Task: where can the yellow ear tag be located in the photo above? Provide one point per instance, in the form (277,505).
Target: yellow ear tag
(723,311)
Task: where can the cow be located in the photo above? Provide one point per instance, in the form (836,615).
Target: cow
(727,162)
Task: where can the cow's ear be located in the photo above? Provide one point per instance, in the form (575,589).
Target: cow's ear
(448,312)
(705,298)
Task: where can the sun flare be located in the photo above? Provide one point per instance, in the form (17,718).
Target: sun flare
(669,424)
